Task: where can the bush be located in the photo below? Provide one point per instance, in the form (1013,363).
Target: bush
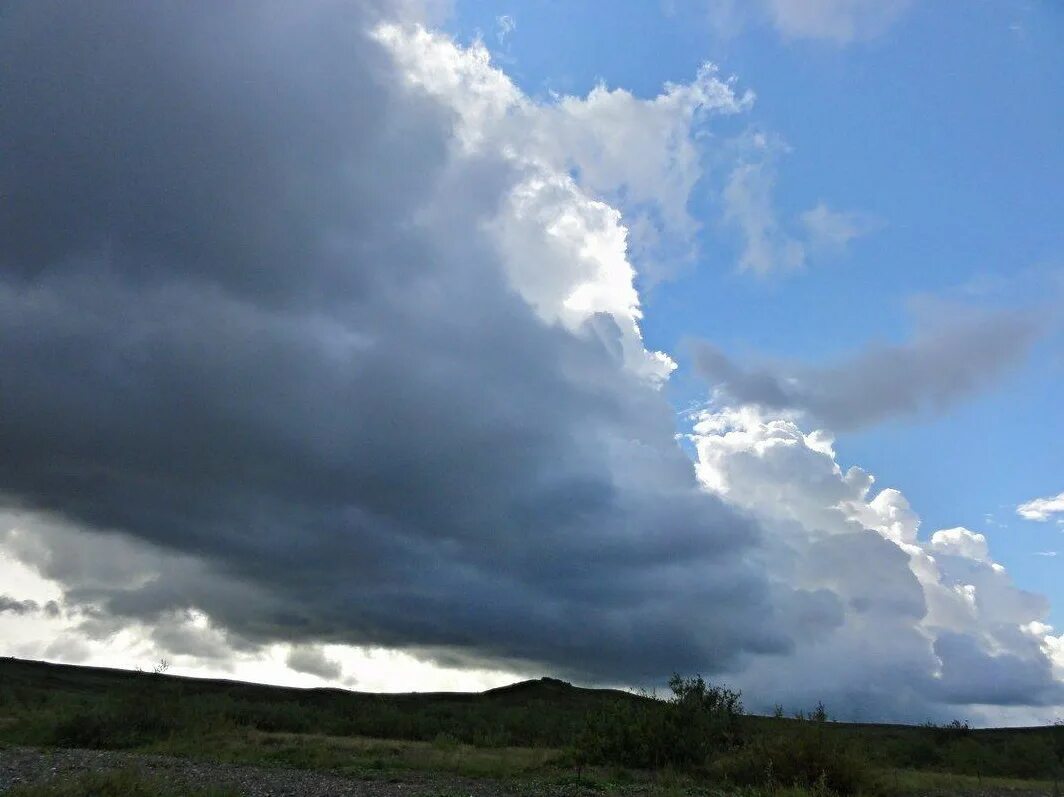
(445,742)
(119,723)
(807,758)
(698,722)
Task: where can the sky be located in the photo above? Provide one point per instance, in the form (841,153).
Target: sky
(413,346)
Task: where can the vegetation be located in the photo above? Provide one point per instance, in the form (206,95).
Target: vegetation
(685,732)
(63,706)
(808,757)
(545,729)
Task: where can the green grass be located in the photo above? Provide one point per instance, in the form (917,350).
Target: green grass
(363,757)
(913,782)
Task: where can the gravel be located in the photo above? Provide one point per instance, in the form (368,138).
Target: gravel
(28,765)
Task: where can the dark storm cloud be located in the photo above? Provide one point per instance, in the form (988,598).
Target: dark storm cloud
(933,372)
(247,317)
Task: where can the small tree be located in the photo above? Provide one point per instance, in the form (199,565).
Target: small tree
(703,718)
(820,713)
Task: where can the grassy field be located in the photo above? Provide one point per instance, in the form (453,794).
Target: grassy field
(533,730)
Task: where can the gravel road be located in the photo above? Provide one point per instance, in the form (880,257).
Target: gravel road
(27,765)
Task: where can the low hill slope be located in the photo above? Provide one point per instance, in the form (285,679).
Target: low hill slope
(90,707)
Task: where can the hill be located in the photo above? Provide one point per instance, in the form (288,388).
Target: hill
(512,729)
(73,680)
(542,712)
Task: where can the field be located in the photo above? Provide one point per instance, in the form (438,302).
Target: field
(541,736)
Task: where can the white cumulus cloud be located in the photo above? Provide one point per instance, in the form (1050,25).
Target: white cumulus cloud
(1042,509)
(889,624)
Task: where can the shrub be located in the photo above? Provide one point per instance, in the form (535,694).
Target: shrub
(445,742)
(119,723)
(806,758)
(699,721)
(820,713)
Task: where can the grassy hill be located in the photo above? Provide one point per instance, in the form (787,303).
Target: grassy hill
(64,704)
(532,726)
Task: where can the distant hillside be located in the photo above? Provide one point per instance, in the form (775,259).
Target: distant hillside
(69,678)
(55,705)
(496,717)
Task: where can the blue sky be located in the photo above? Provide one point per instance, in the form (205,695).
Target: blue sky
(945,128)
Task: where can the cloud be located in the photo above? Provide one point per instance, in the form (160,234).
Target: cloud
(190,634)
(505,24)
(833,231)
(67,650)
(920,627)
(961,542)
(944,363)
(639,155)
(749,206)
(841,21)
(312,660)
(838,21)
(17,607)
(338,350)
(768,245)
(1042,509)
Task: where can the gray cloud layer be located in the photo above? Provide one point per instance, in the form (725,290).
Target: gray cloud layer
(934,371)
(237,323)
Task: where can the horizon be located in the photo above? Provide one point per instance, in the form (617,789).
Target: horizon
(165,673)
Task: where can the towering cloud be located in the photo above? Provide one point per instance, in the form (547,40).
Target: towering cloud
(888,625)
